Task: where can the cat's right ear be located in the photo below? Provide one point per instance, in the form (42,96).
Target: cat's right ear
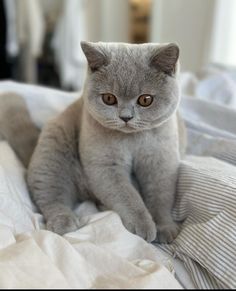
(95,56)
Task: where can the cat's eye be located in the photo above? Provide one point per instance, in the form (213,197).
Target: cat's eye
(145,100)
(109,99)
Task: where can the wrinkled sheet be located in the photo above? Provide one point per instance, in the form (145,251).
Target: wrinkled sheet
(101,254)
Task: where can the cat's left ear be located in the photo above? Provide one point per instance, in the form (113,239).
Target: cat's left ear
(95,56)
(165,58)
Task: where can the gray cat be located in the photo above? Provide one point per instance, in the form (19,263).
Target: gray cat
(118,144)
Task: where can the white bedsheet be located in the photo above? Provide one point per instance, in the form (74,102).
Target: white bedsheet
(102,254)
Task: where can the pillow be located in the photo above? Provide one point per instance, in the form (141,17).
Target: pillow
(206,203)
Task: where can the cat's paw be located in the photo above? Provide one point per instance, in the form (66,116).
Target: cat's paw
(63,223)
(143,226)
(167,233)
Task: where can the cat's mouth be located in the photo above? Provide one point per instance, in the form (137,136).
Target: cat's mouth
(129,127)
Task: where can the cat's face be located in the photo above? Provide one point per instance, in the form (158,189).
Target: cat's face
(131,87)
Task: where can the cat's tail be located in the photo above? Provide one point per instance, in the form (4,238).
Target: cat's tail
(17,127)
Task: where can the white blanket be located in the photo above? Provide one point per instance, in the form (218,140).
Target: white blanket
(102,254)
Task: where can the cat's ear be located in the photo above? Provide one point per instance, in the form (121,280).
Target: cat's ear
(95,56)
(166,58)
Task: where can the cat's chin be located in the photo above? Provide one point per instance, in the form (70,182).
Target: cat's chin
(128,129)
(123,128)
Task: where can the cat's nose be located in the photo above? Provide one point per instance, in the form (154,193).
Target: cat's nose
(126,118)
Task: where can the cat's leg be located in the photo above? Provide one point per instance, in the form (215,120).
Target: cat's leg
(60,218)
(157,176)
(112,187)
(53,192)
(55,179)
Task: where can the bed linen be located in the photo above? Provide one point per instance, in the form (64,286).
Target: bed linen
(205,192)
(101,254)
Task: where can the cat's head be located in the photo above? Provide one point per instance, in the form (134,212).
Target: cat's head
(131,87)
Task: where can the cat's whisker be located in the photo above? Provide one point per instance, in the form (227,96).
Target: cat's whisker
(114,123)
(140,123)
(111,121)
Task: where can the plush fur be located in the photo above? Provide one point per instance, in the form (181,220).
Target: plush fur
(90,152)
(16,126)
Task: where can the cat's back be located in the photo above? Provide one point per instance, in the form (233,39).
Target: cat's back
(70,117)
(65,126)
(17,127)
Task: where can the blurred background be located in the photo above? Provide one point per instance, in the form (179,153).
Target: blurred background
(40,39)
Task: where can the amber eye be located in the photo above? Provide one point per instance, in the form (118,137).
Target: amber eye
(109,99)
(145,100)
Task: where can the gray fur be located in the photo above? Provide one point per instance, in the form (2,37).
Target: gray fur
(89,152)
(16,126)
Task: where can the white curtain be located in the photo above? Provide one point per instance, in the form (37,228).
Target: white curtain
(223,49)
(70,30)
(100,20)
(204,29)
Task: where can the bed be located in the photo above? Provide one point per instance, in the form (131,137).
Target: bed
(102,253)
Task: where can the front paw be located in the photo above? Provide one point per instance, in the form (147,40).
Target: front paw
(167,233)
(142,225)
(63,223)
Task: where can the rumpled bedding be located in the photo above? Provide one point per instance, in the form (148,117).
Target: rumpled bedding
(102,254)
(206,190)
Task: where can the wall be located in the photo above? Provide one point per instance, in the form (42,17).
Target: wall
(187,22)
(108,20)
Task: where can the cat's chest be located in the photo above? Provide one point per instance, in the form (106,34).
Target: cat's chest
(105,147)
